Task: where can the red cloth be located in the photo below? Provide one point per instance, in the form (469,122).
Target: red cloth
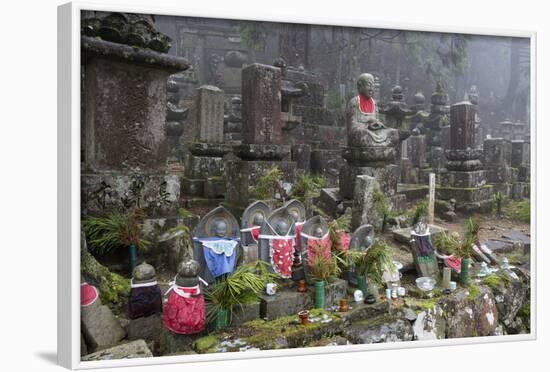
(366,104)
(455,263)
(345,238)
(315,247)
(255,232)
(185,316)
(281,254)
(88,294)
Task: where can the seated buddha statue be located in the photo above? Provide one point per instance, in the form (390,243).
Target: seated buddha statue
(364,129)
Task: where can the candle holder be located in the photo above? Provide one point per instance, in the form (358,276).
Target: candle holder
(302,287)
(304,317)
(344,305)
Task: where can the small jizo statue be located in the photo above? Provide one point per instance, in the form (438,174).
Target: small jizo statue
(277,240)
(364,129)
(252,220)
(145,296)
(423,251)
(184,312)
(215,244)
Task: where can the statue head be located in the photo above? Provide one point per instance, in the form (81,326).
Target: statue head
(294,215)
(258,219)
(220,228)
(318,232)
(365,85)
(281,227)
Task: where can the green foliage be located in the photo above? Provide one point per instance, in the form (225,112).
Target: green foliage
(115,231)
(381,206)
(307,186)
(446,243)
(379,258)
(464,249)
(416,213)
(243,286)
(497,280)
(269,183)
(518,211)
(473,292)
(472,230)
(322,267)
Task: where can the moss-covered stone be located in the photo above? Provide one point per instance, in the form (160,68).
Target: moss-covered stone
(473,292)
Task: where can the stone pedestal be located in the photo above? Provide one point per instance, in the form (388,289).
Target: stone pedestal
(464,179)
(386,176)
(327,163)
(100,327)
(262,146)
(204,166)
(497,156)
(521,159)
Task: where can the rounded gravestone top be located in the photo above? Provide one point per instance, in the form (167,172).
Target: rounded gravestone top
(296,209)
(255,214)
(419,98)
(188,268)
(362,238)
(216,222)
(144,273)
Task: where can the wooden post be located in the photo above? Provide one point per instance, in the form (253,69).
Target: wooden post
(431,201)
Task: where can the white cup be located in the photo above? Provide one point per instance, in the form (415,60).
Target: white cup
(271,288)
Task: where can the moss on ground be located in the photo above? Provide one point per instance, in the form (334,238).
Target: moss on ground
(206,344)
(497,280)
(473,292)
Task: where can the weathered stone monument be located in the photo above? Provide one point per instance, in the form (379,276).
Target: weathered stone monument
(204,171)
(464,179)
(521,160)
(124,119)
(262,146)
(371,146)
(437,131)
(497,160)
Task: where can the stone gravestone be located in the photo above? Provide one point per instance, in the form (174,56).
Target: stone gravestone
(497,159)
(262,146)
(464,179)
(521,160)
(436,125)
(124,125)
(216,244)
(204,171)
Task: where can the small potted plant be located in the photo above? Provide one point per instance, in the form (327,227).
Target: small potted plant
(322,268)
(243,286)
(464,251)
(359,264)
(117,230)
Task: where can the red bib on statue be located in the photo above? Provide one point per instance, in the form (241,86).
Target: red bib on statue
(184,312)
(281,256)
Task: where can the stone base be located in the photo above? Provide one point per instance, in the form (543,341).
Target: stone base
(285,302)
(386,177)
(242,177)
(202,167)
(468,199)
(504,188)
(108,192)
(147,328)
(100,327)
(203,177)
(463,179)
(501,174)
(404,235)
(413,191)
(520,190)
(245,313)
(327,163)
(172,343)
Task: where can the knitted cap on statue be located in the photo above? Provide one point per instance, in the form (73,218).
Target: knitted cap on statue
(145,297)
(184,312)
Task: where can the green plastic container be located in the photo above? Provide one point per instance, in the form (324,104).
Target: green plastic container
(222,319)
(319,294)
(465,271)
(362,285)
(132,250)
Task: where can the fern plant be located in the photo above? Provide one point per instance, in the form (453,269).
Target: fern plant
(269,183)
(378,259)
(115,231)
(322,267)
(243,286)
(308,185)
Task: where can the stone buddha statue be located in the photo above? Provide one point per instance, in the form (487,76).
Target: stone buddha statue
(364,129)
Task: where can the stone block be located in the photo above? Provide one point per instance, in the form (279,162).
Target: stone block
(209,114)
(327,163)
(130,350)
(100,327)
(146,328)
(214,187)
(463,179)
(201,167)
(261,104)
(501,174)
(413,191)
(323,135)
(192,187)
(172,343)
(462,133)
(245,313)
(109,192)
(468,199)
(285,302)
(301,154)
(335,291)
(416,146)
(242,177)
(521,154)
(497,152)
(331,202)
(404,235)
(387,178)
(363,210)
